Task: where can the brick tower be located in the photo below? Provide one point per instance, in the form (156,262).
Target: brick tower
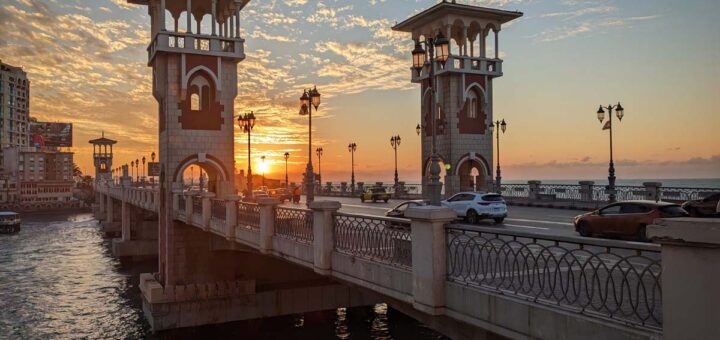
(464,91)
(194,52)
(103,158)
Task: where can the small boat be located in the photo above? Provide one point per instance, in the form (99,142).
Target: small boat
(9,222)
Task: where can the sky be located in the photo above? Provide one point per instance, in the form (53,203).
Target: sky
(87,62)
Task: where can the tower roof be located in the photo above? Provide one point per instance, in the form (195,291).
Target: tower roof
(102,140)
(198,6)
(446,9)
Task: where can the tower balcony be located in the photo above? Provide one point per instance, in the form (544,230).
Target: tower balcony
(461,64)
(202,44)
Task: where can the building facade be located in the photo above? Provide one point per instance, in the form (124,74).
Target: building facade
(14,108)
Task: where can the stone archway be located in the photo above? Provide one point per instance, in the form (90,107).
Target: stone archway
(217,173)
(473,173)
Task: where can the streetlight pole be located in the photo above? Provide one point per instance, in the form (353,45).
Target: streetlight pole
(309,99)
(352,147)
(143,168)
(419,61)
(247,123)
(152,157)
(263,169)
(620,112)
(395,143)
(501,127)
(132,172)
(319,153)
(287,184)
(137,170)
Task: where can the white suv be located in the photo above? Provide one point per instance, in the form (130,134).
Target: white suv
(474,206)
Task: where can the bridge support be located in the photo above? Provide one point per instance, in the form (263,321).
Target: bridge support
(139,231)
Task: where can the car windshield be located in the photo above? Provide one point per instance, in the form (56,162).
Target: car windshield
(492,198)
(674,211)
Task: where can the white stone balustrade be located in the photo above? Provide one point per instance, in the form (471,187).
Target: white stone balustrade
(178,42)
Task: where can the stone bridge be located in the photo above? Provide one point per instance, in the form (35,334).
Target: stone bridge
(463,282)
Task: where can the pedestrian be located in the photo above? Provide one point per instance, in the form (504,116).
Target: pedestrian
(296,195)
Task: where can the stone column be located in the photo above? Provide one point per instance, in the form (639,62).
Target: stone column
(176,201)
(652,190)
(109,211)
(323,234)
(429,256)
(267,223)
(586,191)
(534,190)
(207,209)
(101,206)
(188,207)
(231,206)
(125,215)
(690,276)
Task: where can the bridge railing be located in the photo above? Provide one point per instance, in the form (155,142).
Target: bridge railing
(375,238)
(248,216)
(686,194)
(295,224)
(598,278)
(218,209)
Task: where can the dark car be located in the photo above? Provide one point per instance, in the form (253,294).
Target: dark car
(626,219)
(399,210)
(705,207)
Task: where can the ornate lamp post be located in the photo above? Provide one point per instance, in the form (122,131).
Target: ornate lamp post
(132,172)
(152,158)
(620,112)
(309,99)
(137,170)
(419,60)
(263,169)
(287,155)
(501,127)
(143,168)
(351,148)
(319,153)
(395,143)
(418,129)
(247,123)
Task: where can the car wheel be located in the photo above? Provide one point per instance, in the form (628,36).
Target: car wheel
(584,229)
(499,220)
(641,236)
(471,217)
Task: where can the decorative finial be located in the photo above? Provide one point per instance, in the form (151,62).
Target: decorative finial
(103,134)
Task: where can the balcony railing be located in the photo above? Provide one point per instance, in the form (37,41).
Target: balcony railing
(476,65)
(178,42)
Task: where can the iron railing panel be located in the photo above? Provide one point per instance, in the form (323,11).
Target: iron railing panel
(375,238)
(295,224)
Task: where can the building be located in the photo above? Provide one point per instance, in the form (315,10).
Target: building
(103,158)
(14,108)
(45,179)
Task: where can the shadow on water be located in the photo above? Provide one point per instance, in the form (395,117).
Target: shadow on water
(58,279)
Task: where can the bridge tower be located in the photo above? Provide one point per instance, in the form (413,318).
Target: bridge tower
(103,158)
(464,90)
(194,52)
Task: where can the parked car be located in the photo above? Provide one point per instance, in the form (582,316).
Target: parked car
(375,194)
(399,210)
(282,194)
(474,206)
(626,219)
(704,207)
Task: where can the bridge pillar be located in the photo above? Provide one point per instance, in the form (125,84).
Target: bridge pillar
(429,256)
(690,276)
(323,234)
(267,223)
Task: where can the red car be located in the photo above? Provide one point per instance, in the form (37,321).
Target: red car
(626,219)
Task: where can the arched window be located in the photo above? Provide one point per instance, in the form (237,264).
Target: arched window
(195,102)
(472,105)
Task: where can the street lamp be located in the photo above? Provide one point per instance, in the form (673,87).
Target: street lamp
(319,153)
(247,123)
(143,168)
(263,169)
(395,143)
(132,173)
(287,155)
(351,148)
(501,127)
(309,99)
(419,60)
(152,158)
(620,112)
(137,170)
(418,128)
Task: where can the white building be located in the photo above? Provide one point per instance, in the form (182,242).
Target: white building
(14,108)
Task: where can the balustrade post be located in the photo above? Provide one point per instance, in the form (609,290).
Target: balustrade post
(323,234)
(188,207)
(534,190)
(267,223)
(231,207)
(176,202)
(206,209)
(109,213)
(690,275)
(586,191)
(125,215)
(429,256)
(652,191)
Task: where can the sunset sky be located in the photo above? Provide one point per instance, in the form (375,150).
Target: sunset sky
(87,61)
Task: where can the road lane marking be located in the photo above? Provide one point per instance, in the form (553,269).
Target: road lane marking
(524,226)
(538,221)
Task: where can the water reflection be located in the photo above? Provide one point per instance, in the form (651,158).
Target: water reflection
(59,280)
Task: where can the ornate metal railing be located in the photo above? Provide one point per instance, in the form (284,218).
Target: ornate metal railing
(376,238)
(218,209)
(686,194)
(515,190)
(565,192)
(248,216)
(296,224)
(599,278)
(622,193)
